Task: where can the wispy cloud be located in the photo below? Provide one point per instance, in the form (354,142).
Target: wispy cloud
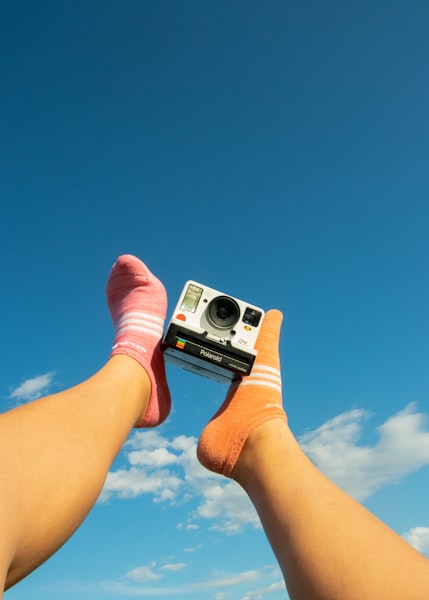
(402,448)
(169,471)
(262,592)
(144,573)
(173,567)
(152,581)
(222,580)
(269,578)
(33,388)
(419,538)
(153,572)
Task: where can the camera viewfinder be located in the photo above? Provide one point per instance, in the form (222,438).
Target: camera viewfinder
(252,317)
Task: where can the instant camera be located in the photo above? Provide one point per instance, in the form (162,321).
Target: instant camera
(212,334)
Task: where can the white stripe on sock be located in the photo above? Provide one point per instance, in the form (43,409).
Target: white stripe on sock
(140,321)
(262,383)
(266,372)
(276,378)
(266,368)
(139,315)
(263,375)
(145,327)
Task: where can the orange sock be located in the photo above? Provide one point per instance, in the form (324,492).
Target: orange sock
(252,401)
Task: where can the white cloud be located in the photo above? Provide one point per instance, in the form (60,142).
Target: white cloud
(227,505)
(174,567)
(143,574)
(133,482)
(151,572)
(169,471)
(187,526)
(229,580)
(159,457)
(33,388)
(194,549)
(148,581)
(217,582)
(402,447)
(269,589)
(418,537)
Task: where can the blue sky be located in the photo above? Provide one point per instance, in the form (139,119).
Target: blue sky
(275,151)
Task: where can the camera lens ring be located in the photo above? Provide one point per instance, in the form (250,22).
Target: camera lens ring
(223,312)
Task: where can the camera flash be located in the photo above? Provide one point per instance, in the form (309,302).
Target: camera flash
(192,297)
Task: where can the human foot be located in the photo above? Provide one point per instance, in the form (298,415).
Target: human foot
(250,402)
(137,302)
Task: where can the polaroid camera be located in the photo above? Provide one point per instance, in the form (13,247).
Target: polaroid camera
(212,334)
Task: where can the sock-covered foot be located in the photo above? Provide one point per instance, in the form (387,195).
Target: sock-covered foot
(137,301)
(249,403)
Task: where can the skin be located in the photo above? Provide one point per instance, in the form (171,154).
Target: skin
(65,442)
(328,545)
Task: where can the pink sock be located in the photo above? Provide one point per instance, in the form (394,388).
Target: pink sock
(137,301)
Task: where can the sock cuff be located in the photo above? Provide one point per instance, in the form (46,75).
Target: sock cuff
(138,320)
(264,376)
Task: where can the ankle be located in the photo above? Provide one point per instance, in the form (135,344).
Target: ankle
(261,450)
(133,384)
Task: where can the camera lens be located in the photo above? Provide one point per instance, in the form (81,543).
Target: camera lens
(223,312)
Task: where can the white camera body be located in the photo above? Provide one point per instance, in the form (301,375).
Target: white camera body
(212,334)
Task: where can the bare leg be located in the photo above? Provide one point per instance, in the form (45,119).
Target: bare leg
(55,452)
(55,456)
(329,547)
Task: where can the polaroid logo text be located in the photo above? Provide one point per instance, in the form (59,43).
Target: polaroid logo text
(211,356)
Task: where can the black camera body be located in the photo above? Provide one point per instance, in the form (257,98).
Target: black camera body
(212,334)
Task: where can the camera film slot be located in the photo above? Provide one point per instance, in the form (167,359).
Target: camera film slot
(213,354)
